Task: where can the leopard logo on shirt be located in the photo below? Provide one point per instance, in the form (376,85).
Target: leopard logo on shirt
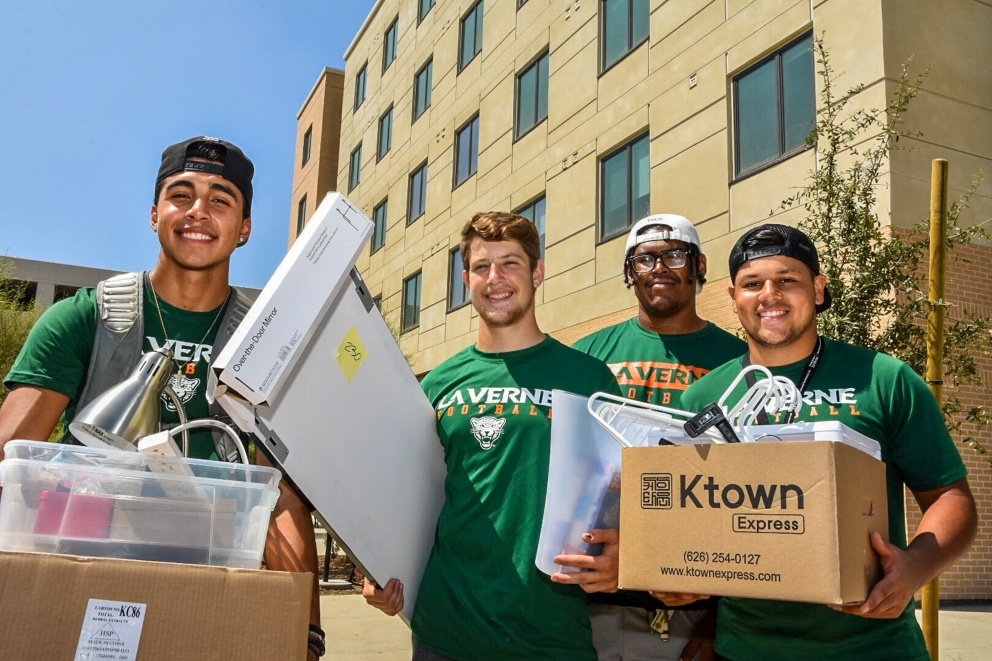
(184,387)
(487,430)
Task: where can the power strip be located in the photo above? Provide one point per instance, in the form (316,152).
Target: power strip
(162,455)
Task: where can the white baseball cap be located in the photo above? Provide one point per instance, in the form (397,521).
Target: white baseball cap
(679,229)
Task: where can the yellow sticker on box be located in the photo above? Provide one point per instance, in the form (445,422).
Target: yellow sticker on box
(351,353)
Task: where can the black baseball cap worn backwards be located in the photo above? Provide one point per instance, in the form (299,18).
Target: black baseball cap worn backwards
(236,167)
(794,243)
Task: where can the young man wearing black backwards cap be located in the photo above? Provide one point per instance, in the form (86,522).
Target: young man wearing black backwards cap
(87,343)
(777,290)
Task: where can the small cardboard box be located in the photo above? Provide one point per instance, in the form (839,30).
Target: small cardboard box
(65,607)
(779,520)
(266,344)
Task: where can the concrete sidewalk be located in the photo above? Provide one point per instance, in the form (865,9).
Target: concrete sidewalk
(356,631)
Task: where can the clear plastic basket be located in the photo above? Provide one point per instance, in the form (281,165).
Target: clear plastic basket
(107,503)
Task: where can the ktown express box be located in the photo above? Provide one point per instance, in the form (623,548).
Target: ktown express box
(786,520)
(74,607)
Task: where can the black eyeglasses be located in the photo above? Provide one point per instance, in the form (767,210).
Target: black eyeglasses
(646,262)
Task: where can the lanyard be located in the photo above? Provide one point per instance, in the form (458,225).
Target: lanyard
(807,376)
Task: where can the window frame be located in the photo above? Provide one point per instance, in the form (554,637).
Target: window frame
(355,169)
(385,118)
(473,167)
(379,230)
(395,30)
(361,92)
(307,146)
(407,325)
(542,231)
(301,214)
(628,148)
(421,13)
(410,218)
(784,153)
(477,13)
(455,281)
(632,45)
(428,68)
(518,130)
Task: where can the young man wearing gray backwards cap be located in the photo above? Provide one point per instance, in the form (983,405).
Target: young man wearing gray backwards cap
(777,290)
(83,345)
(655,356)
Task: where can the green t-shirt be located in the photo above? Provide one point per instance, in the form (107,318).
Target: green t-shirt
(481,596)
(56,356)
(882,398)
(657,368)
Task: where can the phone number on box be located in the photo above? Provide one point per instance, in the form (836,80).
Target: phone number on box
(716,557)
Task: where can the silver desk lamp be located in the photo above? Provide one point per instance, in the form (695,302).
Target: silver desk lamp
(128,411)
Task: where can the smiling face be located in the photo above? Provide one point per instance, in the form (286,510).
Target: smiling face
(775,299)
(198,218)
(664,292)
(501,282)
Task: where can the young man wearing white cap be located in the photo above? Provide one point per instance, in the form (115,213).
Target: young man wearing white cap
(85,344)
(655,357)
(777,290)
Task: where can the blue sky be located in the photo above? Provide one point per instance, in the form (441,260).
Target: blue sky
(93,91)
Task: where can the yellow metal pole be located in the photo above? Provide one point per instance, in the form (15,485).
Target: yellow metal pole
(935,358)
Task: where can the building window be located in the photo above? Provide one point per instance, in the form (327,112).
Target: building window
(422,89)
(624,27)
(301,215)
(626,186)
(774,107)
(389,44)
(535,212)
(379,221)
(360,81)
(471,36)
(410,315)
(466,151)
(385,134)
(417,204)
(532,95)
(378,302)
(307,144)
(457,289)
(424,9)
(355,168)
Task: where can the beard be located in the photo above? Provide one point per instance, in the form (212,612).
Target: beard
(503,318)
(793,334)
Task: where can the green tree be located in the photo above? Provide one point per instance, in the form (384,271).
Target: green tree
(16,320)
(874,271)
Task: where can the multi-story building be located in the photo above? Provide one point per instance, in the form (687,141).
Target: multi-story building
(585,116)
(317,143)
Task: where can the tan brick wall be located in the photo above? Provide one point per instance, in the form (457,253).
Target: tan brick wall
(969,287)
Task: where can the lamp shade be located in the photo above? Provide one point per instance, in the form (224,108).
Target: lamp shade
(128,411)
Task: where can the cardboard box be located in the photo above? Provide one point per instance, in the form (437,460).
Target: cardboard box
(64,607)
(787,521)
(280,322)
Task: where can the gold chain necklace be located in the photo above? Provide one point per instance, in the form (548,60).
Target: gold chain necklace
(165,333)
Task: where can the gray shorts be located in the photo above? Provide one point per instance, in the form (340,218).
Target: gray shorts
(622,633)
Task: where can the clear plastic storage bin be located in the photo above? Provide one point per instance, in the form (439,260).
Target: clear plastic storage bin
(111,503)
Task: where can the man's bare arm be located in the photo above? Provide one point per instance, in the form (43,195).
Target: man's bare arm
(947,528)
(30,413)
(290,544)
